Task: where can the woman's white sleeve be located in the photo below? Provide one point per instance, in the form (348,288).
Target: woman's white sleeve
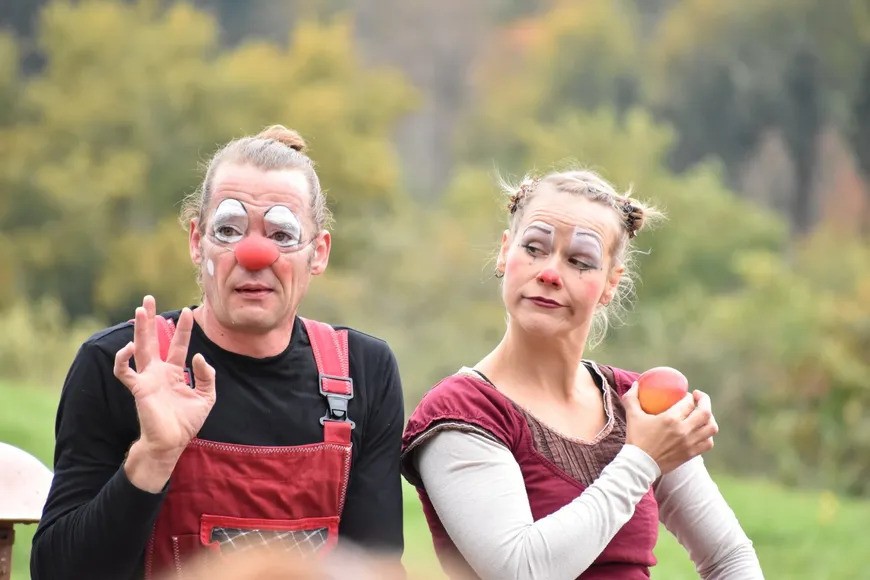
(477,490)
(692,508)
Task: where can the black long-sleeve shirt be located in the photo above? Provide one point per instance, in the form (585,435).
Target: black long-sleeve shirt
(96,524)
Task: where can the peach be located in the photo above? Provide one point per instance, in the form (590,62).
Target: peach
(659,388)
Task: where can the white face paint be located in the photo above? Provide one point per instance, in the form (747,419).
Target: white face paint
(584,249)
(209,267)
(230,221)
(283,227)
(587,249)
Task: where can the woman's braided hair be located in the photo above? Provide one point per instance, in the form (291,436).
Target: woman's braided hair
(632,212)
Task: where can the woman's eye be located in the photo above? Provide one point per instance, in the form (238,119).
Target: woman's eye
(533,250)
(581,264)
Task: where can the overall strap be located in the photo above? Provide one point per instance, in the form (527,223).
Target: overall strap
(333,368)
(165,330)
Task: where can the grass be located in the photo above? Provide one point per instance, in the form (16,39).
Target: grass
(27,422)
(798,534)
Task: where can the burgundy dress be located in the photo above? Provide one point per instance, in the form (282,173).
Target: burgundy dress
(555,469)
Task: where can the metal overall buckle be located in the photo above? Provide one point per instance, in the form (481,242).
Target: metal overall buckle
(337,401)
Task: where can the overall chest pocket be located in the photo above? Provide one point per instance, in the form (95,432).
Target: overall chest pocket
(226,535)
(299,536)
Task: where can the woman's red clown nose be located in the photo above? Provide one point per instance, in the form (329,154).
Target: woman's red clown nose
(256,253)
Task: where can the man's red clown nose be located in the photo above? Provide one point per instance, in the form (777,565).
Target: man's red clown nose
(256,253)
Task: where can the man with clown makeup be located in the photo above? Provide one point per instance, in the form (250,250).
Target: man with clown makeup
(235,422)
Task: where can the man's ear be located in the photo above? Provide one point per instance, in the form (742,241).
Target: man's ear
(194,242)
(320,256)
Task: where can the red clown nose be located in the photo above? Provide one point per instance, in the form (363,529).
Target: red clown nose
(256,253)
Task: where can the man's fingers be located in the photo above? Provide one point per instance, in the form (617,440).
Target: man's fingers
(122,369)
(150,307)
(177,354)
(203,374)
(140,339)
(145,334)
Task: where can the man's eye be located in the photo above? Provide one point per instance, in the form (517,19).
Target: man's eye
(284,239)
(227,233)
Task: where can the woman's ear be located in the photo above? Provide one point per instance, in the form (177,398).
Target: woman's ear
(610,288)
(502,253)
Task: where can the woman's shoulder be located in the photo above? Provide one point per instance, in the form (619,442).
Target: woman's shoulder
(464,397)
(463,390)
(618,378)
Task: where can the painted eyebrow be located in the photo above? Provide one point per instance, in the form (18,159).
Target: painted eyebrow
(540,228)
(280,218)
(587,234)
(226,210)
(588,244)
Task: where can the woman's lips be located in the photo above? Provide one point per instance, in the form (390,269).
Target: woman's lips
(544,302)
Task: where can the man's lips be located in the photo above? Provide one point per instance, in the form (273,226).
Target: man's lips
(544,302)
(253,289)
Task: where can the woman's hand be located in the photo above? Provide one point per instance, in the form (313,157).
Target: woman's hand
(674,436)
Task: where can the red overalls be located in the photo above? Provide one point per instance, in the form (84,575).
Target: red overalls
(224,495)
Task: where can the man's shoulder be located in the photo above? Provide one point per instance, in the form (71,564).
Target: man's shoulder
(365,342)
(111,339)
(371,358)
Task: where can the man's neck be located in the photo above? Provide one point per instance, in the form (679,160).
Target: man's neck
(254,342)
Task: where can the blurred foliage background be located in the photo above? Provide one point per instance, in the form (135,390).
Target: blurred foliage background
(748,122)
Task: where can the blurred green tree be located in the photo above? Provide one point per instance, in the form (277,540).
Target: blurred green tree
(574,56)
(132,97)
(723,73)
(860,132)
(796,338)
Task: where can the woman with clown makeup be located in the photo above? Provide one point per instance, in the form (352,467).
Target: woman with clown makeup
(236,422)
(539,463)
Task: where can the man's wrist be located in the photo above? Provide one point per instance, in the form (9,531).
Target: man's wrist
(148,469)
